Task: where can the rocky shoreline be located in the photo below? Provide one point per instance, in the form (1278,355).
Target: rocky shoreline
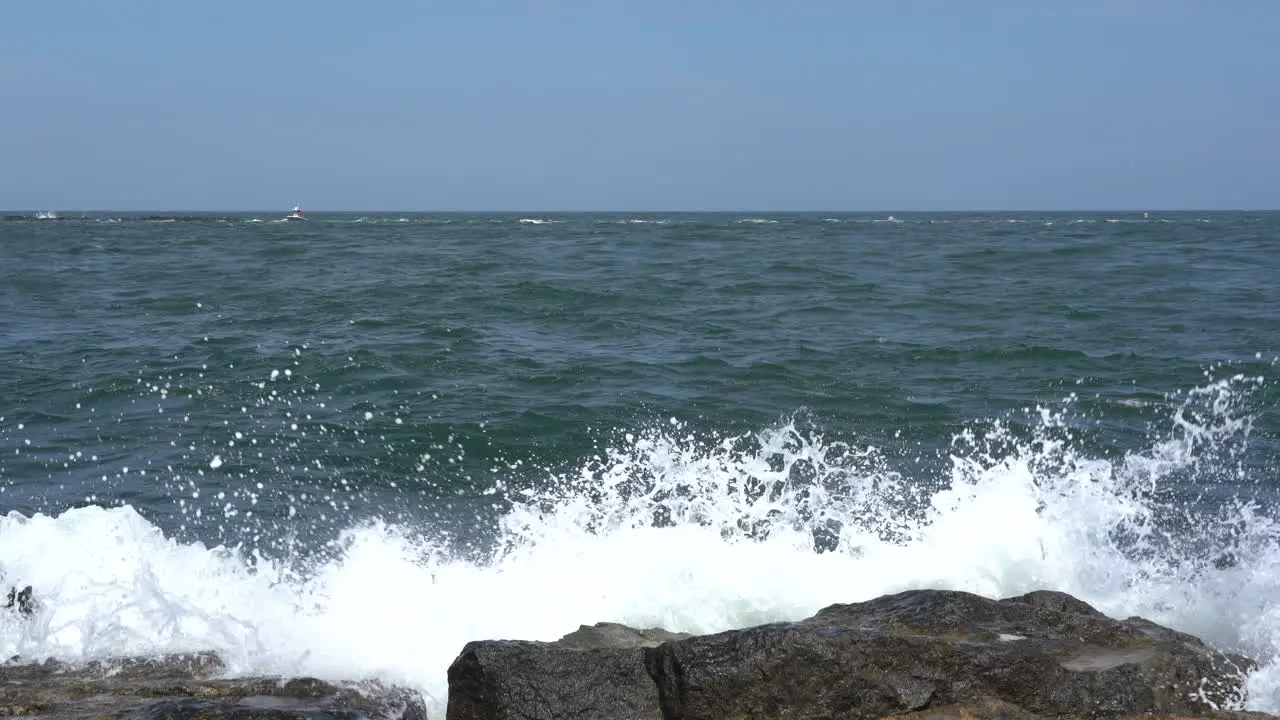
(189,686)
(917,654)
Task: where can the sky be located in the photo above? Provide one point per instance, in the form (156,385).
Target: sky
(640,105)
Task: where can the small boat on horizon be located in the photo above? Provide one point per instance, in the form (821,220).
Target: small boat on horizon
(296,214)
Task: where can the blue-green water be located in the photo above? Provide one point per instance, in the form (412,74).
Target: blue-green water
(697,420)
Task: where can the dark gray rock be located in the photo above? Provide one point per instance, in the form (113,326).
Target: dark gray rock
(920,654)
(189,686)
(21,601)
(1043,654)
(596,672)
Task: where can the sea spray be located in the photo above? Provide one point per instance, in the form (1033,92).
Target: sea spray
(696,532)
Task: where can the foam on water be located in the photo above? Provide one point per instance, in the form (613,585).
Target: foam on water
(695,534)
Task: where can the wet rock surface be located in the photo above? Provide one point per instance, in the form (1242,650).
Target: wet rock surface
(21,601)
(918,654)
(189,687)
(596,671)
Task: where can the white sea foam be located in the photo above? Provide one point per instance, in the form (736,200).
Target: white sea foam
(690,534)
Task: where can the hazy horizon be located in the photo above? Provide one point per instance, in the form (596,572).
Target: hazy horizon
(713,211)
(707,105)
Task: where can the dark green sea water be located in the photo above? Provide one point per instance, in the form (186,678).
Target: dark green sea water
(150,344)
(274,384)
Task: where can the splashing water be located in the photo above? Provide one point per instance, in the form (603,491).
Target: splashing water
(695,534)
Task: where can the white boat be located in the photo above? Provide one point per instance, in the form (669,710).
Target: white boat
(296,214)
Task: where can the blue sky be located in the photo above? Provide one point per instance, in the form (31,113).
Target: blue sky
(640,104)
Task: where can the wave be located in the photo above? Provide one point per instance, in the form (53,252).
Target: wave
(692,532)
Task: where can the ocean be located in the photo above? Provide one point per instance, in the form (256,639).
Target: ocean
(343,447)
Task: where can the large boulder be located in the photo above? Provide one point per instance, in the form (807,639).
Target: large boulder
(1041,654)
(190,686)
(917,654)
(596,672)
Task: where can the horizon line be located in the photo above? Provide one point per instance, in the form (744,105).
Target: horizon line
(652,211)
